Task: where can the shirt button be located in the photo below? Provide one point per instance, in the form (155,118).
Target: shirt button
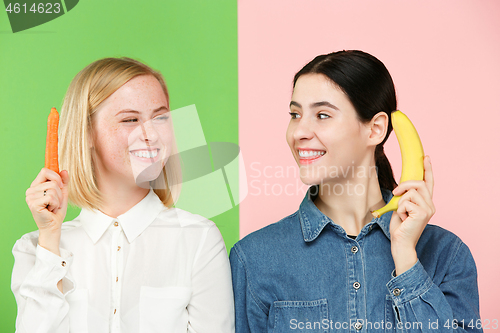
(358,326)
(119,248)
(117,279)
(396,292)
(63,263)
(356,285)
(116,223)
(354,249)
(114,312)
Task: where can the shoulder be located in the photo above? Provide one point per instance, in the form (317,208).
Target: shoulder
(439,238)
(439,249)
(195,228)
(271,238)
(181,218)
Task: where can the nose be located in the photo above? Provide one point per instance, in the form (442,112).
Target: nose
(303,129)
(149,131)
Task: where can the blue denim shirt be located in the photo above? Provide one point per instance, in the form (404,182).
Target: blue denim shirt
(304,274)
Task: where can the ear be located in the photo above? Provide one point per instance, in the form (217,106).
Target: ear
(378,128)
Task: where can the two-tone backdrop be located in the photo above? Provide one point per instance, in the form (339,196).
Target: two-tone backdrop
(235,60)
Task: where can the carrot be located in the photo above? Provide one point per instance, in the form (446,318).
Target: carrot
(51,158)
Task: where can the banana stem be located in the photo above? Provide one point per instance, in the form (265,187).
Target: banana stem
(391,206)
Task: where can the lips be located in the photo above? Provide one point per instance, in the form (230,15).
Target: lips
(308,156)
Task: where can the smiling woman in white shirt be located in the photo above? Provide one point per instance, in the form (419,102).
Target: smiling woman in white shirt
(129,262)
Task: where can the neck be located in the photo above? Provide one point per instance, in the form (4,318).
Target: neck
(118,197)
(349,203)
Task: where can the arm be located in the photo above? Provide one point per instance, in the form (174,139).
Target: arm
(453,306)
(211,308)
(41,306)
(251,314)
(416,298)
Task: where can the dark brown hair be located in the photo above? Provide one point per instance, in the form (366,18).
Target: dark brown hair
(369,86)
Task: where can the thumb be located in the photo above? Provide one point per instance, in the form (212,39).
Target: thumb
(65,177)
(64,204)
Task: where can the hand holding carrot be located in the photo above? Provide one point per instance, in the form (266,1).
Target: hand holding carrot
(47,197)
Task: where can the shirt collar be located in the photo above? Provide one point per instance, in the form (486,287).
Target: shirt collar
(313,221)
(133,222)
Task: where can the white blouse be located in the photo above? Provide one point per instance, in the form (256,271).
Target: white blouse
(149,270)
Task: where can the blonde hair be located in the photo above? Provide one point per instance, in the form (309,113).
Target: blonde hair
(90,87)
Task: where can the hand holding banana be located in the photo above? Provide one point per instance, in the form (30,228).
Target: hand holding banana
(412,200)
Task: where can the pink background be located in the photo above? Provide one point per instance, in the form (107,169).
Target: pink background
(444,59)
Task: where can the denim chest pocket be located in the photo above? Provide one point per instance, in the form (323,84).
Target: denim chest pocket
(299,316)
(164,309)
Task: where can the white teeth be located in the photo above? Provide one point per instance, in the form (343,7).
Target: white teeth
(310,153)
(146,153)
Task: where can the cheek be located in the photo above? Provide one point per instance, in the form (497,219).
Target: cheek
(289,136)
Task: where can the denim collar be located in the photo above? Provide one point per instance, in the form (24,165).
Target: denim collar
(313,221)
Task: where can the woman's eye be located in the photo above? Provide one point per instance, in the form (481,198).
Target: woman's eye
(129,120)
(162,118)
(323,116)
(294,115)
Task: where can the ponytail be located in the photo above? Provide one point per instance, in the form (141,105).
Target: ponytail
(384,169)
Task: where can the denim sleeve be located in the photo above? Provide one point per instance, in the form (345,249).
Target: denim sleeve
(421,305)
(250,313)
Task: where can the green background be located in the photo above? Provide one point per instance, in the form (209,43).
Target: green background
(194,45)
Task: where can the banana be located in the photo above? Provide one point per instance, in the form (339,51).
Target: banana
(412,156)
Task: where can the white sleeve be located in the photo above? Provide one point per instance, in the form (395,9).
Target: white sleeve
(211,308)
(41,307)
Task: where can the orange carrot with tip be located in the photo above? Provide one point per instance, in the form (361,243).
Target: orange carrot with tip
(51,158)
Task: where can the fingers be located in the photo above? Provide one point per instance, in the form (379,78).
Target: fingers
(45,175)
(419,186)
(46,191)
(47,195)
(413,204)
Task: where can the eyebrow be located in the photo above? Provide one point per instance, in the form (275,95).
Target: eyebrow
(316,104)
(161,108)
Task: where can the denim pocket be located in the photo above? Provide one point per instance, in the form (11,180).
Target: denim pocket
(300,316)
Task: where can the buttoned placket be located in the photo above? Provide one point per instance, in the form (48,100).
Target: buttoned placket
(356,285)
(116,269)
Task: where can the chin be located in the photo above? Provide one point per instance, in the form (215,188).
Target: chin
(310,181)
(145,176)
(312,176)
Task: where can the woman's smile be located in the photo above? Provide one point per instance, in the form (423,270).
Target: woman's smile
(147,155)
(308,156)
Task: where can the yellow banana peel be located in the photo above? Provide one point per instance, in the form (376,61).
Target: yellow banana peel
(412,156)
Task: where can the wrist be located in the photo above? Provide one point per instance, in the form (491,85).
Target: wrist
(404,259)
(50,240)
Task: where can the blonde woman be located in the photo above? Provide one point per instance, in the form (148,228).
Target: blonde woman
(129,262)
